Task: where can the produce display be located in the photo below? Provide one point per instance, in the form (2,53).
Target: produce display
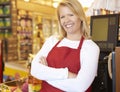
(4,88)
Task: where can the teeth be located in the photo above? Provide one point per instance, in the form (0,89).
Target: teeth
(68,26)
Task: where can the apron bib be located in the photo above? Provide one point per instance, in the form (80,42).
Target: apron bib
(61,57)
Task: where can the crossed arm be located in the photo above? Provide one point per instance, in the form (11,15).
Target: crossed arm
(44,62)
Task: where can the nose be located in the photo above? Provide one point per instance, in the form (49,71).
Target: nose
(67,19)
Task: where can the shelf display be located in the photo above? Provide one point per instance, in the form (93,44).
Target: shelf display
(50,27)
(10,49)
(43,27)
(38,37)
(47,27)
(7,28)
(5,18)
(24,34)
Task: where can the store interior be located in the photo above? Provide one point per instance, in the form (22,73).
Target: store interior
(26,24)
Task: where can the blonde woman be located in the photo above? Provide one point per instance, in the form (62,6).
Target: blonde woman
(68,63)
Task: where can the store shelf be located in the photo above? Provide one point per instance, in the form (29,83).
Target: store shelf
(7,30)
(5,17)
(4,28)
(24,35)
(5,3)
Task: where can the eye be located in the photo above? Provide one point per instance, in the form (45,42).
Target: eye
(62,17)
(71,14)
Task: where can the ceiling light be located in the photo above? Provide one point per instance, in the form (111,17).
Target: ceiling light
(55,4)
(26,0)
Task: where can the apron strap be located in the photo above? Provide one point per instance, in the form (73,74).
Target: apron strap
(81,42)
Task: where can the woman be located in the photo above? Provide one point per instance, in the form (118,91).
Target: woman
(68,64)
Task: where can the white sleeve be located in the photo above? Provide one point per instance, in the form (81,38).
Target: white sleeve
(86,75)
(43,72)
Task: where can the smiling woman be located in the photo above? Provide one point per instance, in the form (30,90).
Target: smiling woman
(70,59)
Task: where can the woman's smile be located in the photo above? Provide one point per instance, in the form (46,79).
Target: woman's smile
(70,25)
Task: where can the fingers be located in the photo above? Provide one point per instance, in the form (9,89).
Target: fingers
(43,61)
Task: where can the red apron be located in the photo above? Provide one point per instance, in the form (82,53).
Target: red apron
(61,57)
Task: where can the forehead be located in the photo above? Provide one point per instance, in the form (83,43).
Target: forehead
(64,9)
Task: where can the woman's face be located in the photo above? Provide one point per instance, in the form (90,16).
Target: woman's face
(69,21)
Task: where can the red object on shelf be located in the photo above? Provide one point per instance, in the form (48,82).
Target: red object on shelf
(1,69)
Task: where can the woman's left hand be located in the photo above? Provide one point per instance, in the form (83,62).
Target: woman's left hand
(43,61)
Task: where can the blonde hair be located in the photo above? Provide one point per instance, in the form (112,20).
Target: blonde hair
(77,9)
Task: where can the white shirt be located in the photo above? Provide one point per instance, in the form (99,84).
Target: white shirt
(57,77)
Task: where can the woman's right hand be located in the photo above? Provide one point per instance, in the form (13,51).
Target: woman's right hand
(43,61)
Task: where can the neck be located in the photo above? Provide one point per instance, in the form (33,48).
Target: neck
(74,37)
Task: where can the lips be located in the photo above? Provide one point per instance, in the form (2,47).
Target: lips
(68,25)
